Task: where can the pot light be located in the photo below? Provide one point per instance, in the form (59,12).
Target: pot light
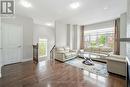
(75,5)
(48,24)
(26,3)
(105,8)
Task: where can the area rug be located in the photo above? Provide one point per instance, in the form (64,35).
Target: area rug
(98,68)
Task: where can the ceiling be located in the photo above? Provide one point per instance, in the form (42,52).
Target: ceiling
(90,11)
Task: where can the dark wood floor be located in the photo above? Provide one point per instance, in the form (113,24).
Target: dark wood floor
(54,74)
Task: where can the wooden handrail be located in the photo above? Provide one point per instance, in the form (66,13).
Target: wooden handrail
(52,48)
(51,52)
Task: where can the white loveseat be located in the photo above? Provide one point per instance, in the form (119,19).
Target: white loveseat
(64,53)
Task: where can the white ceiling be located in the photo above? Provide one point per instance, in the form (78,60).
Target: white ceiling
(90,11)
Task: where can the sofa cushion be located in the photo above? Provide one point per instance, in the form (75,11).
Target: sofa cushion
(73,53)
(60,50)
(95,49)
(67,54)
(66,49)
(87,49)
(103,55)
(106,49)
(70,54)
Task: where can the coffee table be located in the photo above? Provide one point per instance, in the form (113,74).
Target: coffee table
(88,58)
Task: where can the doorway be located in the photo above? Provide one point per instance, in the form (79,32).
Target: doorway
(42,49)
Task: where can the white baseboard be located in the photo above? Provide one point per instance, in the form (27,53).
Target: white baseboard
(0,74)
(43,58)
(0,71)
(28,59)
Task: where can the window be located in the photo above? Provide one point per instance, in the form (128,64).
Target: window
(42,47)
(99,38)
(93,40)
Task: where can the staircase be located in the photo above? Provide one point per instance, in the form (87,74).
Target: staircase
(52,53)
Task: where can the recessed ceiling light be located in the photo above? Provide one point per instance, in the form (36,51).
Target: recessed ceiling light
(48,24)
(75,5)
(105,8)
(26,3)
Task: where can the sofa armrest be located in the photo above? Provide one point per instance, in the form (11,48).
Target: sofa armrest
(60,53)
(116,59)
(118,56)
(117,67)
(60,56)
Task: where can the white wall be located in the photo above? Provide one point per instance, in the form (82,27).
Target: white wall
(101,25)
(44,32)
(123,33)
(73,36)
(67,35)
(27,24)
(76,37)
(61,34)
(70,36)
(0,50)
(128,35)
(128,10)
(128,28)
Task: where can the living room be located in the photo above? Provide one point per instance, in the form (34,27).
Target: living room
(94,42)
(105,42)
(65,43)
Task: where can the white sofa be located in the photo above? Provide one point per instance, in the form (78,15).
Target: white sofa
(103,52)
(64,53)
(117,64)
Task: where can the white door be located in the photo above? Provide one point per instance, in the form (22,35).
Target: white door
(11,43)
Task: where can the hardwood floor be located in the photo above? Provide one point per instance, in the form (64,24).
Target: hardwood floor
(54,74)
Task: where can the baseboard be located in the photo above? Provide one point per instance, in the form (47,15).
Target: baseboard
(43,59)
(0,71)
(0,74)
(28,59)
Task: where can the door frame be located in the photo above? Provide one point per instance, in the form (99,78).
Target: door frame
(21,26)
